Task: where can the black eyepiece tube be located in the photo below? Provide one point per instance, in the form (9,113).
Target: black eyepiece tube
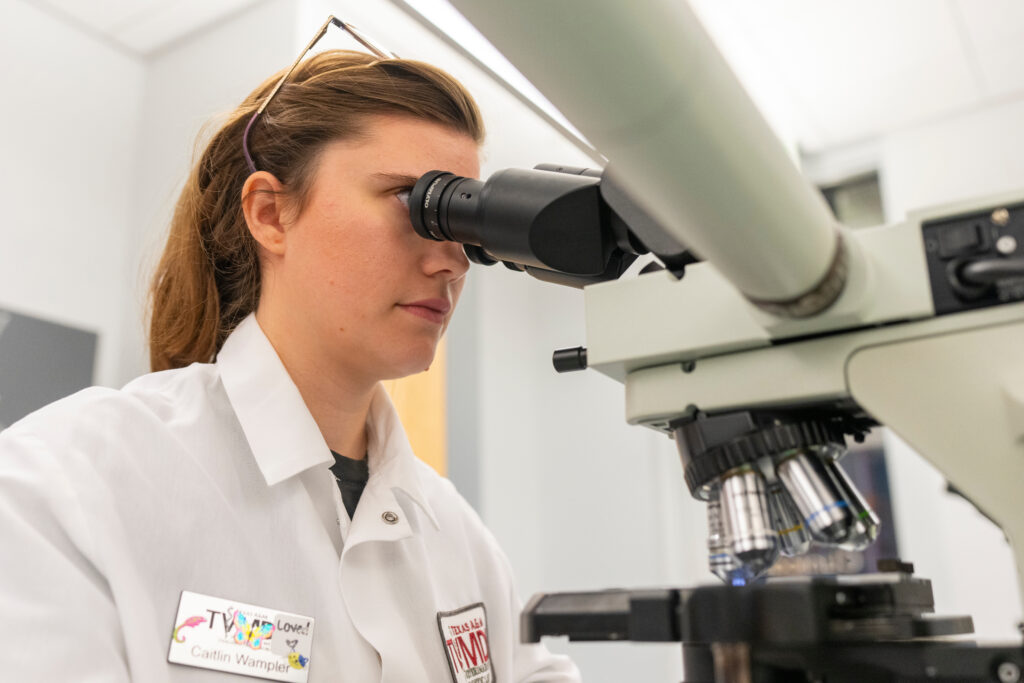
(546,220)
(429,204)
(574,170)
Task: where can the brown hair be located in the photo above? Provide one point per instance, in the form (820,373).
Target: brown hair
(208,278)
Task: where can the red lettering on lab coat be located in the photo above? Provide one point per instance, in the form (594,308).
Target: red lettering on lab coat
(467,654)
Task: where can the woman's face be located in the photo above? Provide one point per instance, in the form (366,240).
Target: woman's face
(363,292)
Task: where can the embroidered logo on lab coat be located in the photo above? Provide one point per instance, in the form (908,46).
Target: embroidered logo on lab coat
(464,636)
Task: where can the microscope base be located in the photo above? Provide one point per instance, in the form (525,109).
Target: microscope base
(874,628)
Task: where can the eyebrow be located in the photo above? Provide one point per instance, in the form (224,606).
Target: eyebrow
(397,178)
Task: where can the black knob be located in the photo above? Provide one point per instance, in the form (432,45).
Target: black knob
(569,360)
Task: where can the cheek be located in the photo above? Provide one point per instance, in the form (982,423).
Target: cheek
(324,262)
(352,272)
(456,289)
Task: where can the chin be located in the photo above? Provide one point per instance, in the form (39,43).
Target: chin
(411,363)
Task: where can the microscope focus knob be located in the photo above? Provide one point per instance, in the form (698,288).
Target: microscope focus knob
(570,360)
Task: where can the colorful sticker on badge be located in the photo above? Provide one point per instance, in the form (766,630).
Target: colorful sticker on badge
(464,636)
(226,635)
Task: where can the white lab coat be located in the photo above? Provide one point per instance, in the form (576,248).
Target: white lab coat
(214,479)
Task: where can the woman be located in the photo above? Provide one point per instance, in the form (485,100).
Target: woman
(192,523)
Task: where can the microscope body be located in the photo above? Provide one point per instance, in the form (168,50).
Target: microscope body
(950,383)
(771,335)
(914,347)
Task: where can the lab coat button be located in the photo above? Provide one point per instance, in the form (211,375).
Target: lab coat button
(390,517)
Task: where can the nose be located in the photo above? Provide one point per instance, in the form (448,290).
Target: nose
(445,258)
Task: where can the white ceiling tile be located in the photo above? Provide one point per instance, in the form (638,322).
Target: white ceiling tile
(756,70)
(857,68)
(825,73)
(103,16)
(869,66)
(995,29)
(172,20)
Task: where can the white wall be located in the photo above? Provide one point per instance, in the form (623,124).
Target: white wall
(186,86)
(97,143)
(973,154)
(68,122)
(579,500)
(970,155)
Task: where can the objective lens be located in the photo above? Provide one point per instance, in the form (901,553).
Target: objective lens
(793,537)
(866,524)
(720,558)
(818,497)
(745,520)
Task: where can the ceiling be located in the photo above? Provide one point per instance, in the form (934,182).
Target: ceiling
(832,73)
(845,71)
(141,27)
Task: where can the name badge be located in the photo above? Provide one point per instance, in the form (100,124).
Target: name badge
(227,635)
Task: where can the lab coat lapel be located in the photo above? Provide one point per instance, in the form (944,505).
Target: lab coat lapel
(285,440)
(390,454)
(281,432)
(381,516)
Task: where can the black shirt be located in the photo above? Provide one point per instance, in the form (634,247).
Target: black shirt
(351,476)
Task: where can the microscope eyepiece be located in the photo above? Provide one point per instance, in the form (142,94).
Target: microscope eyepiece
(424,203)
(550,223)
(442,207)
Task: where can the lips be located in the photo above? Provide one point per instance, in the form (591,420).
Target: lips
(433,310)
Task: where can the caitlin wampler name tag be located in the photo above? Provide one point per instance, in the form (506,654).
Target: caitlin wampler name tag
(227,635)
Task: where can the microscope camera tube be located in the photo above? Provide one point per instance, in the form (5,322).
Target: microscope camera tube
(745,519)
(793,537)
(818,497)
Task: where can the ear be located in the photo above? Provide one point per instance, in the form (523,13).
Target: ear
(263,205)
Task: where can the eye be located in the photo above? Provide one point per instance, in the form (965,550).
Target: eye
(403,196)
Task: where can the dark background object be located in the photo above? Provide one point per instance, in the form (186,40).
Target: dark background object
(40,362)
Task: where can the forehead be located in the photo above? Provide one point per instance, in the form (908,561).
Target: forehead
(401,145)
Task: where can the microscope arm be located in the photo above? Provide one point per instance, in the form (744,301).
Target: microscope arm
(644,83)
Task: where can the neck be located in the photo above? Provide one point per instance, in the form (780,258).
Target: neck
(338,401)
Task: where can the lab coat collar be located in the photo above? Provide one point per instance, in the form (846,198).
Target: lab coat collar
(282,434)
(391,456)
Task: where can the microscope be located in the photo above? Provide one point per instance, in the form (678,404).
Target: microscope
(763,338)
